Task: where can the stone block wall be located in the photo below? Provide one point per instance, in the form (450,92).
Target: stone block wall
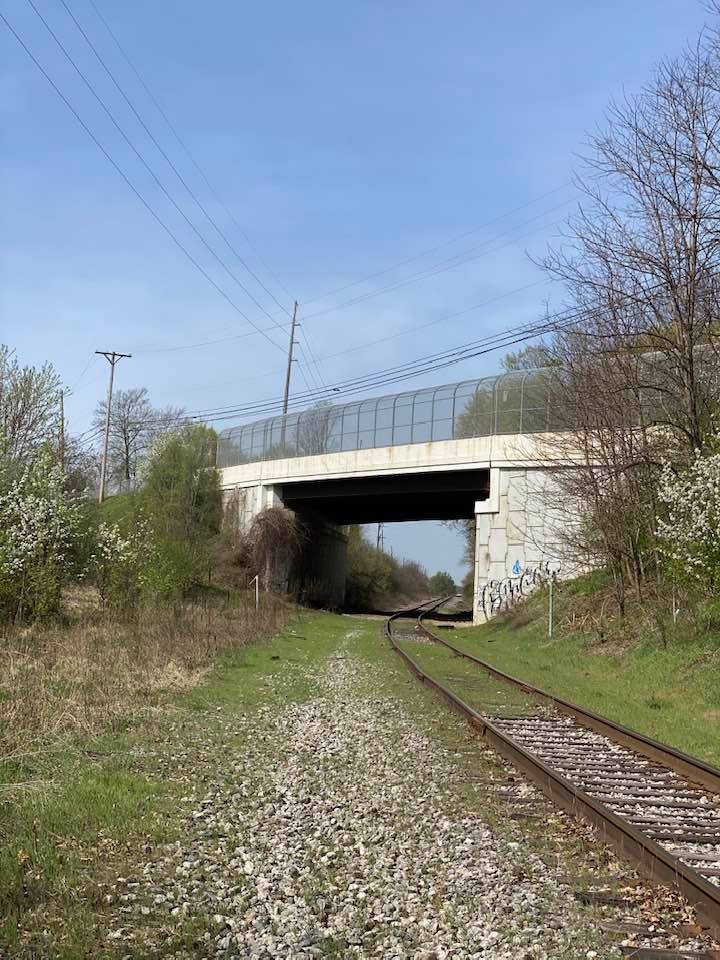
(518,527)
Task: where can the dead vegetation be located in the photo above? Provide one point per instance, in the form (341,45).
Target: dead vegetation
(87,675)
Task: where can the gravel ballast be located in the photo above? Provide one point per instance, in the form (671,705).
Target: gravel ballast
(338,831)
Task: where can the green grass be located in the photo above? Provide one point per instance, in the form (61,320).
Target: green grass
(671,693)
(109,803)
(69,819)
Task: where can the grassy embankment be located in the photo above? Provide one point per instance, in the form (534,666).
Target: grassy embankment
(667,689)
(80,703)
(99,808)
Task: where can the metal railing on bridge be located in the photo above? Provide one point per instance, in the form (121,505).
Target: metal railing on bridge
(515,402)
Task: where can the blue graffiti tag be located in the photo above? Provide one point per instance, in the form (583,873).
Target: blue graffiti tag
(517,568)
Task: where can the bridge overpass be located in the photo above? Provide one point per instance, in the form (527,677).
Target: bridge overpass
(481,449)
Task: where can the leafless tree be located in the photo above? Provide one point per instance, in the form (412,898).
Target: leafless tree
(635,378)
(315,430)
(134,425)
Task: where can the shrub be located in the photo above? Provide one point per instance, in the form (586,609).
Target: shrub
(690,531)
(182,485)
(441,584)
(39,522)
(120,561)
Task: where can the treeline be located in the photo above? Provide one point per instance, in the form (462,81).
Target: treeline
(633,372)
(151,542)
(376,579)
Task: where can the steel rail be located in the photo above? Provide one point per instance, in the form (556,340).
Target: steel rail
(631,843)
(699,772)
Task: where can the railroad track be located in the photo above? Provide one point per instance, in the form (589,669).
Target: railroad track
(657,807)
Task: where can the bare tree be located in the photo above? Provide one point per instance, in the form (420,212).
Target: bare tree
(134,426)
(635,379)
(641,258)
(28,407)
(315,429)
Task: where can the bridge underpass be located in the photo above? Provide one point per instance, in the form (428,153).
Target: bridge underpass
(441,495)
(484,449)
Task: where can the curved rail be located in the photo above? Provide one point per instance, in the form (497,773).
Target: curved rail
(629,840)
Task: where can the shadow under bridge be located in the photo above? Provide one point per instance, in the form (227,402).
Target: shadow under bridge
(429,495)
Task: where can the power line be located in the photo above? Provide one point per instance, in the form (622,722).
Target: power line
(119,170)
(410,369)
(197,166)
(209,343)
(439,246)
(169,161)
(552,323)
(449,316)
(307,369)
(450,263)
(313,358)
(84,371)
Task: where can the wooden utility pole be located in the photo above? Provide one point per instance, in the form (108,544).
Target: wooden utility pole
(112,358)
(286,395)
(61,443)
(380,544)
(288,372)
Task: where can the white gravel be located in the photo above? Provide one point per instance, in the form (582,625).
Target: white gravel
(337,832)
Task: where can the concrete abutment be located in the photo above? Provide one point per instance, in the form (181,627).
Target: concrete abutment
(507,484)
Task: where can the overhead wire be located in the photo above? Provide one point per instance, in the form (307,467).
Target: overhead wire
(434,249)
(197,166)
(169,161)
(410,369)
(313,358)
(121,172)
(85,369)
(405,331)
(450,263)
(551,323)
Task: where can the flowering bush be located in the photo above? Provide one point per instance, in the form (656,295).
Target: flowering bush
(39,524)
(120,560)
(690,531)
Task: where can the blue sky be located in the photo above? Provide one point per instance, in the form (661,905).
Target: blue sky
(343,138)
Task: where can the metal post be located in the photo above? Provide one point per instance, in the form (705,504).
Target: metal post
(550,607)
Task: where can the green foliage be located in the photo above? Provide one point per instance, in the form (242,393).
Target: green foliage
(182,488)
(154,543)
(172,568)
(369,571)
(373,575)
(442,584)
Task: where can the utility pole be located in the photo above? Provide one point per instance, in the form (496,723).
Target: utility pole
(112,358)
(286,395)
(61,444)
(380,543)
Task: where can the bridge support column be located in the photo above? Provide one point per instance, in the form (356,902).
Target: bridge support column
(515,528)
(243,504)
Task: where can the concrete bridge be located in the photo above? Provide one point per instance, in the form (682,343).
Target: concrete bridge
(481,449)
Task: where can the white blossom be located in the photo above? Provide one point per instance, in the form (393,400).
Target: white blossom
(690,531)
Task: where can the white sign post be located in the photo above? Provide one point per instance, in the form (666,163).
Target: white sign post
(550,607)
(256,580)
